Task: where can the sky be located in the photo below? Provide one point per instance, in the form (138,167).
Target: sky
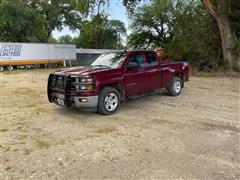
(116,11)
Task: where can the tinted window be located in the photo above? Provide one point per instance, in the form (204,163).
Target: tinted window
(151,59)
(138,58)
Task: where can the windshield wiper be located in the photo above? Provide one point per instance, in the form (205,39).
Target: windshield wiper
(100,66)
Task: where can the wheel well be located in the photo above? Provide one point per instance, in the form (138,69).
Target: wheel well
(118,87)
(181,76)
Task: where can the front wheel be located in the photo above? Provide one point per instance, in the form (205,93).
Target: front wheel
(109,100)
(175,87)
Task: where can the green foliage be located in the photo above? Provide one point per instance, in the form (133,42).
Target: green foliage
(87,7)
(16,21)
(234,13)
(185,29)
(101,33)
(52,40)
(54,14)
(152,25)
(24,20)
(66,39)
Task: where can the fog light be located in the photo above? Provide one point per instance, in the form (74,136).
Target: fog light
(83,100)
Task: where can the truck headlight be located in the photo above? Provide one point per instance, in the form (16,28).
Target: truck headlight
(85,84)
(86,80)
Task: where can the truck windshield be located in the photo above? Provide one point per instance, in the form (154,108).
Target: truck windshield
(112,60)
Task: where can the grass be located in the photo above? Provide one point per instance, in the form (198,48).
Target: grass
(43,144)
(27,151)
(19,71)
(27,91)
(106,130)
(42,110)
(62,142)
(22,136)
(38,130)
(8,168)
(13,72)
(161,121)
(31,105)
(7,149)
(220,73)
(3,130)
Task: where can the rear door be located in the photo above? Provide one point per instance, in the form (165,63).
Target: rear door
(152,71)
(135,80)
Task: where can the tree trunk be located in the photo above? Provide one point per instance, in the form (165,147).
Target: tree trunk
(228,38)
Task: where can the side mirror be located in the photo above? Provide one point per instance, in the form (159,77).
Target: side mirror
(132,65)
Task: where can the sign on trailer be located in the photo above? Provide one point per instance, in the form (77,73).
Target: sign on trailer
(33,53)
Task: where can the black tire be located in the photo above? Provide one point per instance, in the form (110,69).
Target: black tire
(172,90)
(106,91)
(10,68)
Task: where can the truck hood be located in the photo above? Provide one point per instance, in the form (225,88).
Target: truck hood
(81,70)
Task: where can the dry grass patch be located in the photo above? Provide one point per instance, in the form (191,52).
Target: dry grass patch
(106,130)
(3,130)
(41,110)
(161,121)
(28,151)
(43,144)
(22,136)
(8,168)
(27,92)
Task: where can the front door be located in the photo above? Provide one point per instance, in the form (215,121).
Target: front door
(134,79)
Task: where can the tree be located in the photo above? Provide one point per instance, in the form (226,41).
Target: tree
(55,14)
(100,33)
(152,24)
(87,7)
(229,41)
(119,29)
(219,11)
(34,20)
(52,40)
(185,29)
(66,39)
(16,21)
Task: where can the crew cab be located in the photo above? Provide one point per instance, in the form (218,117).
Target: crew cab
(113,77)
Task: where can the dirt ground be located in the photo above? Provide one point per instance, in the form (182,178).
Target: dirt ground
(193,136)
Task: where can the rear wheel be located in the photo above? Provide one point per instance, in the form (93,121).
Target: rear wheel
(109,100)
(1,68)
(175,87)
(10,68)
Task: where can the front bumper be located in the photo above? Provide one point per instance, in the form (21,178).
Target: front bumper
(85,101)
(64,93)
(77,101)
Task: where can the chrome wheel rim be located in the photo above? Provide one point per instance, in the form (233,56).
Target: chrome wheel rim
(177,86)
(111,102)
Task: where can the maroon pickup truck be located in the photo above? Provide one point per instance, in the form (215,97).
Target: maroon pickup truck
(113,77)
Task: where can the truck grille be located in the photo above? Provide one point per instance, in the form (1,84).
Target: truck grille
(63,86)
(58,82)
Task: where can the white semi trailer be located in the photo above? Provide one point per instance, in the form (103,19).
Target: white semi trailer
(28,55)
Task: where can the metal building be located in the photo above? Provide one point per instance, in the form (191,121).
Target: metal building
(84,56)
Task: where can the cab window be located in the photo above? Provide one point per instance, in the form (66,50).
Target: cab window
(138,58)
(151,59)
